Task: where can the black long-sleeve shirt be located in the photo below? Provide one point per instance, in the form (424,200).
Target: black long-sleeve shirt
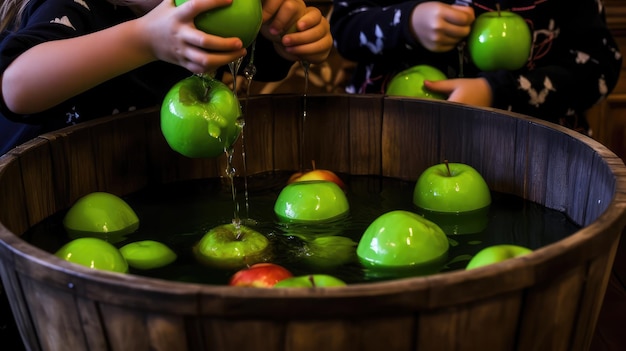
(574,61)
(47,20)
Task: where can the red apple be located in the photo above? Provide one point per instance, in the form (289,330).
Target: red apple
(260,275)
(316,174)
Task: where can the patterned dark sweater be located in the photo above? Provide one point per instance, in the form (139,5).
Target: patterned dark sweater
(574,61)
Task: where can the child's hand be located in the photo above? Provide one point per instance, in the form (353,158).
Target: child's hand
(471,91)
(310,42)
(439,27)
(171,36)
(280,17)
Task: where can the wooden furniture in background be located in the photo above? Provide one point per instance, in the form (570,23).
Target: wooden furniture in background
(608,119)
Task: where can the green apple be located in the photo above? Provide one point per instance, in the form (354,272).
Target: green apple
(102,215)
(499,40)
(229,247)
(147,254)
(410,82)
(311,281)
(199,117)
(458,223)
(311,201)
(260,275)
(93,253)
(242,19)
(402,243)
(496,253)
(451,187)
(324,252)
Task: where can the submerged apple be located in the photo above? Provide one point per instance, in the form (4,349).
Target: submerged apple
(242,19)
(199,117)
(452,188)
(311,281)
(147,254)
(410,82)
(102,215)
(229,247)
(324,252)
(401,243)
(93,253)
(260,275)
(311,201)
(499,40)
(496,253)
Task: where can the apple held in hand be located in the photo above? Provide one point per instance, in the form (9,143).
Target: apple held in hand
(199,117)
(401,243)
(311,281)
(93,253)
(499,40)
(227,247)
(102,215)
(242,19)
(147,254)
(311,201)
(260,275)
(410,82)
(451,187)
(496,253)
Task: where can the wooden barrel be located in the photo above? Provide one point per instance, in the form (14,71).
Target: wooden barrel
(548,300)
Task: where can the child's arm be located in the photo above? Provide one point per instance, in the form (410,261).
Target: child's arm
(38,79)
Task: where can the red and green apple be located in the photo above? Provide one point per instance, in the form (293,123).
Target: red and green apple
(410,82)
(311,201)
(499,40)
(199,117)
(311,281)
(496,253)
(242,19)
(102,215)
(401,243)
(93,253)
(147,254)
(232,247)
(260,275)
(451,188)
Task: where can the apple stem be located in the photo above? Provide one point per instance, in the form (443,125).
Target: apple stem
(312,280)
(447,167)
(498,8)
(313,164)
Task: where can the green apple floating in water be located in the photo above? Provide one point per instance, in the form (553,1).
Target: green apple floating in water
(311,281)
(200,117)
(311,201)
(102,215)
(242,19)
(402,243)
(499,40)
(147,254)
(93,253)
(452,188)
(410,82)
(230,247)
(260,275)
(496,253)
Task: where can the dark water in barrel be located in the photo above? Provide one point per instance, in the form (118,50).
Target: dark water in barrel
(179,214)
